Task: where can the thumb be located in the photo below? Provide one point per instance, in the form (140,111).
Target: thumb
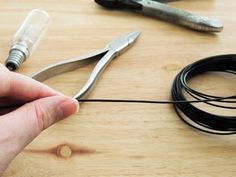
(25,123)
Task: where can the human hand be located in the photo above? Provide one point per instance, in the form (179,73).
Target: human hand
(19,126)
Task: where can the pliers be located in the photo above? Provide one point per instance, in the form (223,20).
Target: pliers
(165,12)
(103,56)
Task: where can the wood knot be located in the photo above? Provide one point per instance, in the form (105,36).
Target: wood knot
(64,151)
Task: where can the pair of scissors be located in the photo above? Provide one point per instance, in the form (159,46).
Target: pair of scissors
(103,56)
(165,12)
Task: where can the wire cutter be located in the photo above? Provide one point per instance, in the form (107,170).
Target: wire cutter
(113,49)
(165,12)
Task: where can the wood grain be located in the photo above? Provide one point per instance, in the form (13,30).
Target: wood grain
(106,139)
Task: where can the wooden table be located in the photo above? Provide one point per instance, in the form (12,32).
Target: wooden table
(112,139)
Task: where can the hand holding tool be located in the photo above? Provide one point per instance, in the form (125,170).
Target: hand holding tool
(166,12)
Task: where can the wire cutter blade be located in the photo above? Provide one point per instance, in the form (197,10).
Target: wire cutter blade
(121,43)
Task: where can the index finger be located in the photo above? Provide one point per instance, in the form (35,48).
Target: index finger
(21,87)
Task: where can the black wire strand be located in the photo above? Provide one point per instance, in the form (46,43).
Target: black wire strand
(186,109)
(155,101)
(193,116)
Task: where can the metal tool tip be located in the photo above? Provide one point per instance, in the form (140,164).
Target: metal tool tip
(134,34)
(218,25)
(211,25)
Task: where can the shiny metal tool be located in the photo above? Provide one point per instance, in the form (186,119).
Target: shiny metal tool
(103,56)
(165,12)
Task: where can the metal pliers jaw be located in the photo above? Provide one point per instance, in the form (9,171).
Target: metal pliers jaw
(165,12)
(122,43)
(103,56)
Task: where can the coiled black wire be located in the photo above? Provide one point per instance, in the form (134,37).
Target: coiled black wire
(195,117)
(189,113)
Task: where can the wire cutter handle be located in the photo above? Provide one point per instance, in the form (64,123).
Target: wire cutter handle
(97,71)
(103,56)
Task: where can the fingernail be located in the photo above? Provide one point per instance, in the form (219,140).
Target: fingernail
(69,107)
(77,105)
